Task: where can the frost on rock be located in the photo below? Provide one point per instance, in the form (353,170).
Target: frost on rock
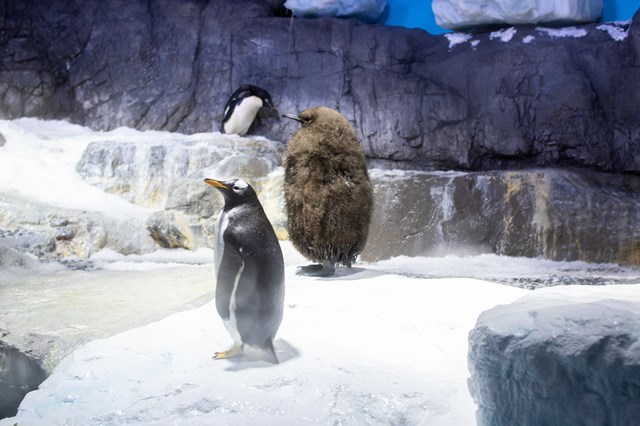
(457,38)
(563,32)
(567,355)
(464,14)
(618,31)
(365,10)
(504,35)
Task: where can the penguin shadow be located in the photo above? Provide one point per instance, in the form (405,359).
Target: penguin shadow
(353,273)
(250,359)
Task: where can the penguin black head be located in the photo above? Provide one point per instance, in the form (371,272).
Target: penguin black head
(234,191)
(242,108)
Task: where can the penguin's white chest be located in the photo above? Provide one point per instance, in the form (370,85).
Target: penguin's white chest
(243,115)
(218,248)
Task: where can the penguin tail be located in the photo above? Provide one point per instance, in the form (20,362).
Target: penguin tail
(270,353)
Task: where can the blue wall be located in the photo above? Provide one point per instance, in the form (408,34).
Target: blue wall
(418,13)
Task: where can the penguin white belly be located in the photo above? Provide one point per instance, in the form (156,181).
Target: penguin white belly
(218,248)
(243,115)
(231,324)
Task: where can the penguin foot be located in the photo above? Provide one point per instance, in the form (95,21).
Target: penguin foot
(327,269)
(236,350)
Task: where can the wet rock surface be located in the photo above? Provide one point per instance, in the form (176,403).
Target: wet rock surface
(495,100)
(554,214)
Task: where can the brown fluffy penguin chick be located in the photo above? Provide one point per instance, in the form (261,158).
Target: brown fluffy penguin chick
(328,196)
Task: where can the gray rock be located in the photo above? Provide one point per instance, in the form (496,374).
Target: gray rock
(52,233)
(169,173)
(558,359)
(559,215)
(19,375)
(168,230)
(417,101)
(39,243)
(11,258)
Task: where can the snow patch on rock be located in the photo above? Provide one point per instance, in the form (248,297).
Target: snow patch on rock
(504,35)
(563,32)
(457,38)
(616,32)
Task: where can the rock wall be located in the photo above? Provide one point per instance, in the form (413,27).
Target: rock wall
(521,98)
(555,214)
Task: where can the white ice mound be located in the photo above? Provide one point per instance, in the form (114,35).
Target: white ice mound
(465,14)
(564,355)
(365,10)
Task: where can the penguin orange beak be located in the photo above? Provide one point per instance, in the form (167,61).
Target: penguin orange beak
(293,117)
(215,183)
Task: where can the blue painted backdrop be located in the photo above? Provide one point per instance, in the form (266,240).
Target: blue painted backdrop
(418,13)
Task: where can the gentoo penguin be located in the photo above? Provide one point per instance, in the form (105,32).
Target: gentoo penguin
(249,270)
(327,192)
(242,107)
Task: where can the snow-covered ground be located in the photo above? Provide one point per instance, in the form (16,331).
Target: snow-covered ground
(367,347)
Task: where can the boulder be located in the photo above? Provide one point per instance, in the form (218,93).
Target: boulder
(53,233)
(168,230)
(559,356)
(467,14)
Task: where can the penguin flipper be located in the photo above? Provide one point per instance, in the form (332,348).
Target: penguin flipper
(231,267)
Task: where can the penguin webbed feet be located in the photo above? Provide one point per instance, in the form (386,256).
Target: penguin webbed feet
(327,269)
(234,351)
(266,353)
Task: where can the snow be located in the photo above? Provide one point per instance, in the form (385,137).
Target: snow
(457,38)
(528,39)
(563,32)
(616,32)
(463,14)
(366,347)
(38,163)
(504,35)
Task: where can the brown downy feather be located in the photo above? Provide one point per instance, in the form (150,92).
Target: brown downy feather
(328,195)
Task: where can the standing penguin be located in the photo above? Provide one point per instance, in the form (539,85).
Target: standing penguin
(242,107)
(249,270)
(328,195)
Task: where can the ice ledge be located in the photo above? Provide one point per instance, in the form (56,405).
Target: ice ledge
(567,355)
(464,14)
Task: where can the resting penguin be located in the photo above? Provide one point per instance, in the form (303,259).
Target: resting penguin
(242,107)
(327,192)
(249,270)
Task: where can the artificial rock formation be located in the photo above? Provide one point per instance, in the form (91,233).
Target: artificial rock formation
(529,97)
(469,14)
(558,357)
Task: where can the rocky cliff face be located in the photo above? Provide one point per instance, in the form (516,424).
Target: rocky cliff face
(517,98)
